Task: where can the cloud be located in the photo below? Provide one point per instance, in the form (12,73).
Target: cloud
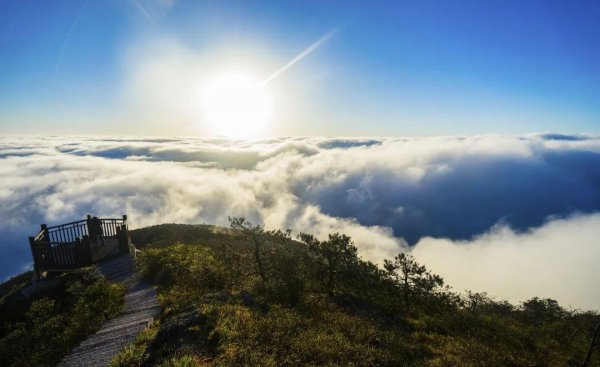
(348,143)
(459,196)
(564,137)
(558,260)
(386,193)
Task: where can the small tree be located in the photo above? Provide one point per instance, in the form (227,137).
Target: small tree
(594,344)
(540,310)
(260,239)
(412,278)
(255,234)
(276,259)
(334,258)
(480,302)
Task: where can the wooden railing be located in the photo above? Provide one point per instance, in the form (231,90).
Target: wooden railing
(73,245)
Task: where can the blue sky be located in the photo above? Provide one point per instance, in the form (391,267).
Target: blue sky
(391,68)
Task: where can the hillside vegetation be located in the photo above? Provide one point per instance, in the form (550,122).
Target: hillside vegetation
(41,329)
(251,297)
(244,296)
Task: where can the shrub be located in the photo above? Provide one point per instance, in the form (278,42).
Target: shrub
(278,302)
(50,327)
(184,361)
(184,272)
(130,356)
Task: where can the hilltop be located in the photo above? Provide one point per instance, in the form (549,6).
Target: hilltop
(245,296)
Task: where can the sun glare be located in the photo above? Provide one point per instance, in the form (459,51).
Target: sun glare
(237,106)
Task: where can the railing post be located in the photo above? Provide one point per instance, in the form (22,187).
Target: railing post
(46,234)
(88,222)
(94,226)
(123,239)
(36,266)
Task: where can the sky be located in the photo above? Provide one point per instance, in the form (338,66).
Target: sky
(389,68)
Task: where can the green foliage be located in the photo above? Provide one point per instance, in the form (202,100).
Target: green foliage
(414,282)
(184,361)
(193,234)
(184,272)
(134,354)
(51,326)
(542,310)
(336,260)
(12,286)
(286,337)
(317,303)
(277,272)
(249,296)
(130,356)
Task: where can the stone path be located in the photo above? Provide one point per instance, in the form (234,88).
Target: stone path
(141,307)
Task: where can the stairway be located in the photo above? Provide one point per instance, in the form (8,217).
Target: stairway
(141,307)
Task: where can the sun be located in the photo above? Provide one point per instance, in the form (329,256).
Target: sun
(237,105)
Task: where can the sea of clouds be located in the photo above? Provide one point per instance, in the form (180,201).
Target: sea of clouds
(516,216)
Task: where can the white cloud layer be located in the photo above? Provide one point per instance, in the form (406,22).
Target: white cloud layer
(382,192)
(558,260)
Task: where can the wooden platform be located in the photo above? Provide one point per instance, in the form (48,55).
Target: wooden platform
(141,307)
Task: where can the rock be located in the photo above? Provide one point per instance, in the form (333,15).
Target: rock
(247,299)
(188,330)
(178,325)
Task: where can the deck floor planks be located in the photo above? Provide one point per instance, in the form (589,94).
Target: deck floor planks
(141,307)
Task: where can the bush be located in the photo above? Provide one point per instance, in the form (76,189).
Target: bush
(267,300)
(130,356)
(184,361)
(134,354)
(50,327)
(184,273)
